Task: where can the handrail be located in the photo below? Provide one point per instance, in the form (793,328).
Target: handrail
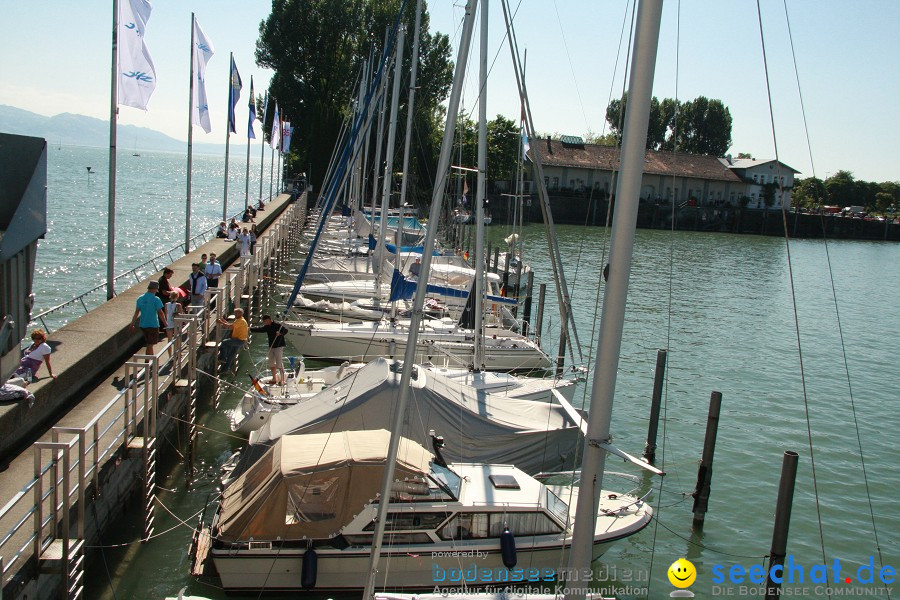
(76,463)
(131,272)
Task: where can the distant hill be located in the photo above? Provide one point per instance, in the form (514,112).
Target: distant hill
(79,130)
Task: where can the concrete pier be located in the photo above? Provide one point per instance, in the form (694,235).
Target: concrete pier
(88,439)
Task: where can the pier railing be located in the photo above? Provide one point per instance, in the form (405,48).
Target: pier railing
(45,520)
(55,317)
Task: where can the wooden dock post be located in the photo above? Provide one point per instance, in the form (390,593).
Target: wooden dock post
(526,310)
(542,293)
(655,402)
(782,521)
(704,472)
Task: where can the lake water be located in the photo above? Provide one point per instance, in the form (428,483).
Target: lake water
(722,306)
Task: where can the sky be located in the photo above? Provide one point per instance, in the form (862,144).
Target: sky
(55,57)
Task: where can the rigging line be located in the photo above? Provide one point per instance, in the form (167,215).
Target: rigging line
(605,237)
(665,397)
(198,426)
(787,246)
(834,296)
(571,68)
(704,547)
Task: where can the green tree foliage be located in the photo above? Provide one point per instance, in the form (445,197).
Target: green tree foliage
(809,192)
(316,48)
(843,189)
(699,126)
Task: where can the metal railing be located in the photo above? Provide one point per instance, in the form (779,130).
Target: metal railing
(59,487)
(138,272)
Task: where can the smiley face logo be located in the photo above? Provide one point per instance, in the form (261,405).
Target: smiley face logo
(682,573)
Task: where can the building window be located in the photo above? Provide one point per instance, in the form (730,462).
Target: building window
(755,178)
(668,193)
(546,182)
(556,183)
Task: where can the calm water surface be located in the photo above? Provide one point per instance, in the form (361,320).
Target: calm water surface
(721,304)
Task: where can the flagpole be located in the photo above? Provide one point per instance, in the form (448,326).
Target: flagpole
(113,110)
(228,131)
(272,169)
(262,144)
(187,218)
(249,127)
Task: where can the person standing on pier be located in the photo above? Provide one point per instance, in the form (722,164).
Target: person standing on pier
(240,334)
(253,236)
(213,271)
(275,332)
(198,286)
(244,239)
(150,310)
(165,288)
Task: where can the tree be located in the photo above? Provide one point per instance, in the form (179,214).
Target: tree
(700,126)
(809,192)
(316,49)
(841,188)
(705,126)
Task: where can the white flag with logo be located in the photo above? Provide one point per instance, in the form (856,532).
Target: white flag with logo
(201,53)
(137,75)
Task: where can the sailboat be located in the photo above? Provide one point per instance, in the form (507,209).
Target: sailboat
(135,152)
(311,506)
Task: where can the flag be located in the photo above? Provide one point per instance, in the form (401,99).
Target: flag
(137,75)
(200,54)
(234,94)
(250,134)
(275,137)
(286,131)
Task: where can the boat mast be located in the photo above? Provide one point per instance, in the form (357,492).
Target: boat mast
(637,114)
(419,302)
(389,161)
(480,189)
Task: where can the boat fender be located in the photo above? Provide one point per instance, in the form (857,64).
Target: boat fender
(309,570)
(508,548)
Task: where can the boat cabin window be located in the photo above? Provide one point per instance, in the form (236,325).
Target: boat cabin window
(558,507)
(390,539)
(473,526)
(411,520)
(313,500)
(448,482)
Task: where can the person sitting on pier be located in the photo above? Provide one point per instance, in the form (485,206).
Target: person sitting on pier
(222,231)
(233,231)
(275,332)
(150,310)
(246,217)
(240,334)
(36,353)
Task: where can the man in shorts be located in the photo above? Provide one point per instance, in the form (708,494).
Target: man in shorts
(150,310)
(240,335)
(275,332)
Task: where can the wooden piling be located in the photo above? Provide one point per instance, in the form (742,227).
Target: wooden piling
(782,521)
(655,402)
(542,293)
(526,309)
(704,472)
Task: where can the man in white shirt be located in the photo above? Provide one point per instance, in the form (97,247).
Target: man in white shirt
(213,270)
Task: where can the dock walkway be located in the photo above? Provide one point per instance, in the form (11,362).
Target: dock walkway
(102,410)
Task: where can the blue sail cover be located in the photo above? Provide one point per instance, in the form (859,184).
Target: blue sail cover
(404,289)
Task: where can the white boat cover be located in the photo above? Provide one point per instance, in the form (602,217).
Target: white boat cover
(476,426)
(312,485)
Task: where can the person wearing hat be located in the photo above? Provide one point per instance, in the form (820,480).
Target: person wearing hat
(150,310)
